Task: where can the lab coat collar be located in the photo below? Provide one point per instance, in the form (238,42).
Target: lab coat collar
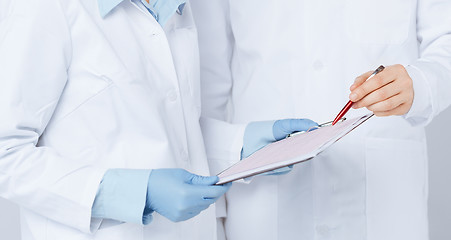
(106,6)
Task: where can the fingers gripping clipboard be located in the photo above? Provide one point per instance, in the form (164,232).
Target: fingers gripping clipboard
(292,150)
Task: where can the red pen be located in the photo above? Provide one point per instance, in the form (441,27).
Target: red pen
(349,104)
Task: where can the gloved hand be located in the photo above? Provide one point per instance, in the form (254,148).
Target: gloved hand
(179,195)
(259,134)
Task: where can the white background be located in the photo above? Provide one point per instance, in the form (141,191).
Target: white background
(439,144)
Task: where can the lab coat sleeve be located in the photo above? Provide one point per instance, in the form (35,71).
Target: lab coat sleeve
(35,52)
(223,140)
(431,72)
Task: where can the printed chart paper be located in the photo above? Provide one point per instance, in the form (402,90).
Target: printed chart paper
(289,151)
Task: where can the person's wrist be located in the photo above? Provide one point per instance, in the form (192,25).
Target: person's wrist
(125,194)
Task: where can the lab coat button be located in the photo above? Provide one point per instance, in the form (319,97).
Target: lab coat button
(323,230)
(184,155)
(318,65)
(172,95)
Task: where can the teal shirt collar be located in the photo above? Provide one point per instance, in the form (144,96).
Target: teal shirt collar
(106,6)
(161,10)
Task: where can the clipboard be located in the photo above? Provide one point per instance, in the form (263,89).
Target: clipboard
(326,124)
(296,148)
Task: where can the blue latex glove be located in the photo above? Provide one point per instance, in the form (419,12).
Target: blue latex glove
(259,134)
(179,195)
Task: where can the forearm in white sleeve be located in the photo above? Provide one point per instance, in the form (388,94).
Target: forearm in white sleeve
(431,73)
(35,52)
(223,140)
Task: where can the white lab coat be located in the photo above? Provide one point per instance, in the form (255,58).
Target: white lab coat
(269,59)
(4,8)
(80,94)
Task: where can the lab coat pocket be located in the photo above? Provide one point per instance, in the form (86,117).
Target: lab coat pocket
(396,189)
(378,21)
(78,91)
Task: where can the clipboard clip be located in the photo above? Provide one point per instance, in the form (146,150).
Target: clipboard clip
(326,124)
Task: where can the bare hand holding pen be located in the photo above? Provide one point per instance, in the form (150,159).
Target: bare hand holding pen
(388,93)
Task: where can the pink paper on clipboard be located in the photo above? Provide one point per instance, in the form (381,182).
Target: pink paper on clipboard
(290,151)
